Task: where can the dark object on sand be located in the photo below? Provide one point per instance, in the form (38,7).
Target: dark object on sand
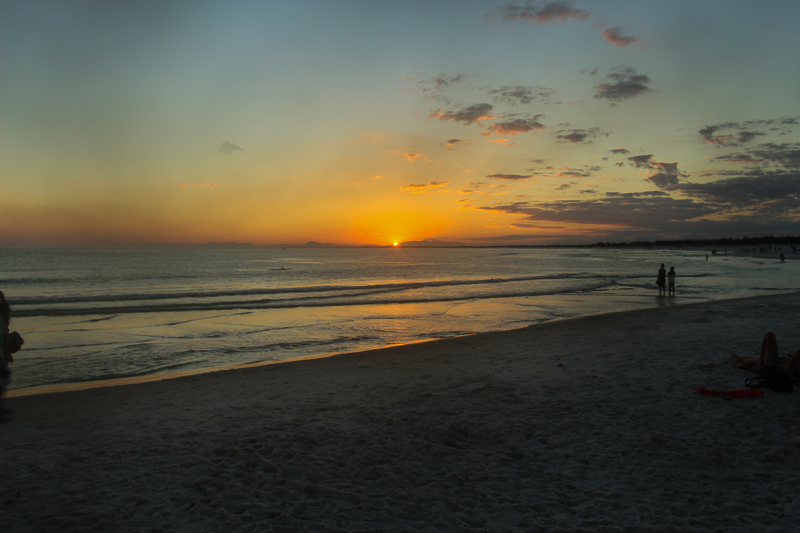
(771,378)
(14,342)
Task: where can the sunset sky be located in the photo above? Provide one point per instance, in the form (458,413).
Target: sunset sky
(130,123)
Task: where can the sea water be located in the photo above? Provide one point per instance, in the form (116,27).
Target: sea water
(117,315)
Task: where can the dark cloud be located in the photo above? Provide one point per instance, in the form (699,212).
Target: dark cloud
(564,187)
(509,177)
(579,135)
(540,14)
(629,210)
(670,168)
(588,191)
(519,125)
(785,154)
(663,180)
(468,115)
(532,226)
(622,84)
(520,94)
(764,191)
(640,161)
(614,36)
(573,174)
(738,158)
(737,134)
(620,151)
(620,163)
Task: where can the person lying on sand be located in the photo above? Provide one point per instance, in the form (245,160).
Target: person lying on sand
(771,357)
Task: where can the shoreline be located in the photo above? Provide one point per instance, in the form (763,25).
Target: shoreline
(582,424)
(149,378)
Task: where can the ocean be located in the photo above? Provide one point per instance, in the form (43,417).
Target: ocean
(111,316)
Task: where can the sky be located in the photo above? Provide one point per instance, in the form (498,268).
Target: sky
(134,123)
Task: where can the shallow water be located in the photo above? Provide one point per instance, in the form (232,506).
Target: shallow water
(90,315)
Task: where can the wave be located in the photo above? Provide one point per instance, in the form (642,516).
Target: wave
(350,298)
(47,300)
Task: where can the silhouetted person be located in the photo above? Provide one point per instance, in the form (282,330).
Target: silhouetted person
(671,281)
(661,280)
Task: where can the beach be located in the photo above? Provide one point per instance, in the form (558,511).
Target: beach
(586,424)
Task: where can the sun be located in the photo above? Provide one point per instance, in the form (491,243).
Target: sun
(395,244)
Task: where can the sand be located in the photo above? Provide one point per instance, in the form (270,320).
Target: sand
(590,424)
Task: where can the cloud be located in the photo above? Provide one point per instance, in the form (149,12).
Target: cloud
(509,177)
(623,83)
(627,210)
(436,86)
(640,161)
(663,180)
(468,115)
(614,36)
(519,94)
(564,187)
(228,148)
(532,226)
(573,174)
(504,142)
(785,154)
(519,125)
(579,135)
(769,192)
(425,186)
(413,157)
(452,144)
(737,134)
(620,151)
(540,14)
(196,185)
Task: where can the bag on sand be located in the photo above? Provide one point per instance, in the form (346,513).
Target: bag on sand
(771,378)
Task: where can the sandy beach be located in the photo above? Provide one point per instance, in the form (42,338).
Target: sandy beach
(589,424)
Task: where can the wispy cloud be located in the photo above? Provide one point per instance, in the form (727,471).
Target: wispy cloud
(620,151)
(615,36)
(197,185)
(425,186)
(519,94)
(509,177)
(452,144)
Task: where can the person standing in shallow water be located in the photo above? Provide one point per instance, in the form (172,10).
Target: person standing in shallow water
(661,280)
(671,281)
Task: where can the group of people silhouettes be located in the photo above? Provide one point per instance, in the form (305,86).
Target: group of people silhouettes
(665,278)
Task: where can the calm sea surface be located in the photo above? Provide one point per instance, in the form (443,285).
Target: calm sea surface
(90,315)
